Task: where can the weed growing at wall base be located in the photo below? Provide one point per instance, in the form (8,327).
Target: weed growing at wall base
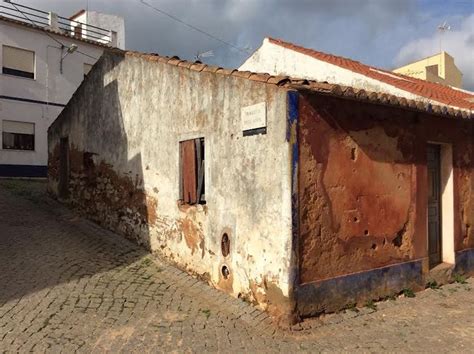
(460,279)
(407,292)
(371,305)
(432,284)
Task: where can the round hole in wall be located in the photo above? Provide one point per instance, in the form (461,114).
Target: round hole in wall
(366,232)
(225,272)
(225,244)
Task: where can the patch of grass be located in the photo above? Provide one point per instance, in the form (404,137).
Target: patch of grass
(407,292)
(391,297)
(351,306)
(370,304)
(206,312)
(432,284)
(146,261)
(460,279)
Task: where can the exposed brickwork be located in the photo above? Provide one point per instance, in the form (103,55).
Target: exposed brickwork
(69,285)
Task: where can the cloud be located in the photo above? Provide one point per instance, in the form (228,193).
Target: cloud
(458,42)
(340,26)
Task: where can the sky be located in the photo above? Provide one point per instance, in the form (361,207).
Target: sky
(382,33)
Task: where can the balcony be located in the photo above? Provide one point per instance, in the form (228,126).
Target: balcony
(53,22)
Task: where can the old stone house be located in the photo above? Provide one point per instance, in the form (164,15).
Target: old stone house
(299,196)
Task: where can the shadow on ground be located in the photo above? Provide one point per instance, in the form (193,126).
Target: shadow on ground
(43,244)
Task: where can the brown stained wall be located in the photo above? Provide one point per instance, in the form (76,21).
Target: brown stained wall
(116,202)
(362,185)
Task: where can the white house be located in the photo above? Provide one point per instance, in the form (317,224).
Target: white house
(43,59)
(278,57)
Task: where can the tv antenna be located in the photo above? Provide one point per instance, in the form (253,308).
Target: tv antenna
(207,54)
(442,30)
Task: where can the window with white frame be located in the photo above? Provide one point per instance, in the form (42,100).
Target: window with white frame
(18,135)
(18,62)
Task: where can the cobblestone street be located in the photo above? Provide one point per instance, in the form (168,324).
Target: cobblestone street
(68,285)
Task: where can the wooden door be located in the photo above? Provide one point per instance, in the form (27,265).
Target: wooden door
(434,204)
(63,187)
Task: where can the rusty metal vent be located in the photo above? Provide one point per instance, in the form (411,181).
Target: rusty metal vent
(225,272)
(225,245)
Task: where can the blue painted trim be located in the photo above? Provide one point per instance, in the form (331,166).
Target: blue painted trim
(464,261)
(23,171)
(292,139)
(334,294)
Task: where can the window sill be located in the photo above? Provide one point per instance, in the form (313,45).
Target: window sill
(182,206)
(18,150)
(18,77)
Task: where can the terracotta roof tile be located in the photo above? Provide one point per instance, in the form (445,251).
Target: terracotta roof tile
(77,14)
(295,83)
(441,93)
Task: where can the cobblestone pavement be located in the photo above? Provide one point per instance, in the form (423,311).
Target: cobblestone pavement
(67,285)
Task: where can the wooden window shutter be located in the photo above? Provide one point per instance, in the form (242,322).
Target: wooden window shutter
(188,175)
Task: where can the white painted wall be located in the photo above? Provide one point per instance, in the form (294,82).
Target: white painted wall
(49,85)
(277,60)
(447,204)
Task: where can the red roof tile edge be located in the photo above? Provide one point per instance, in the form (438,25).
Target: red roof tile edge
(430,90)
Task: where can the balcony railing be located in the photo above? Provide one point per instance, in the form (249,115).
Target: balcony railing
(56,23)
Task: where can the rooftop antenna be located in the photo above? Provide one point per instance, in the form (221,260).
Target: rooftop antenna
(207,54)
(442,30)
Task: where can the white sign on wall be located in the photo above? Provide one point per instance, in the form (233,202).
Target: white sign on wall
(254,116)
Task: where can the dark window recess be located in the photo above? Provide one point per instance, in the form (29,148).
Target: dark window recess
(17,141)
(256,131)
(192,186)
(16,72)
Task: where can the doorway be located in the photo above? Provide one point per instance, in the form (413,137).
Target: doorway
(434,204)
(63,187)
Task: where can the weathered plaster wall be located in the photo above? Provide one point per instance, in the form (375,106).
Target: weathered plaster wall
(357,201)
(124,126)
(363,191)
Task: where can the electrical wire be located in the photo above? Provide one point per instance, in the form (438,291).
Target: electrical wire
(193,27)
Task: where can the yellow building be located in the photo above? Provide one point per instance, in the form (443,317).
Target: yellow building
(439,68)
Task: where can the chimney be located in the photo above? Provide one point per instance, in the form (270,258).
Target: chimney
(113,38)
(53,21)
